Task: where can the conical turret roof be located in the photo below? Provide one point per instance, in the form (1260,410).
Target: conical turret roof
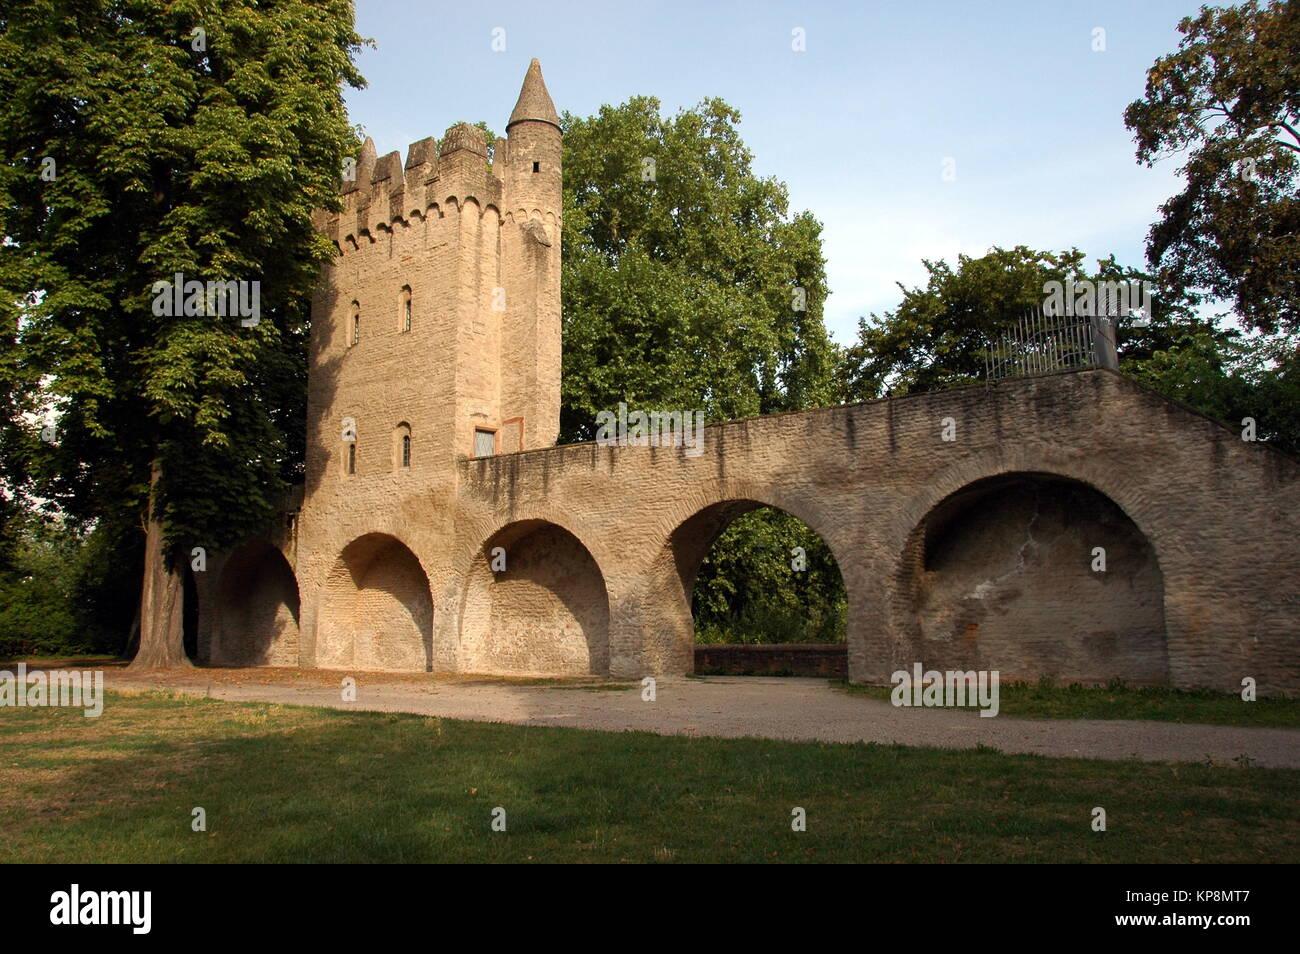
(534,101)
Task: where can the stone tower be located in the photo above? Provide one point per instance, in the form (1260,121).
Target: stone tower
(436,328)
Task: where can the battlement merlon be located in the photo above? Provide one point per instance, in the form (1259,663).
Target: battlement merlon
(522,175)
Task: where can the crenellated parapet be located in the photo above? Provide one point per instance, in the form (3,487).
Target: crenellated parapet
(383,191)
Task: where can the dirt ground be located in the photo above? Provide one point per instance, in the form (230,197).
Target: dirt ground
(731,706)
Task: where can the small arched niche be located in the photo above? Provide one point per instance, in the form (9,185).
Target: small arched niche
(402,447)
(405,313)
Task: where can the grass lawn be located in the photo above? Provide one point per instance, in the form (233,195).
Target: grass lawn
(1044,700)
(286,783)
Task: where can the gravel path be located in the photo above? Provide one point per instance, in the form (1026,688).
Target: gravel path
(731,707)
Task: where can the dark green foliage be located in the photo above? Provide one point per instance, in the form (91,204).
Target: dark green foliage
(37,595)
(679,290)
(167,159)
(1228,103)
(748,592)
(936,336)
(66,592)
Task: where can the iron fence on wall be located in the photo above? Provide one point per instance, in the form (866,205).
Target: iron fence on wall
(1038,343)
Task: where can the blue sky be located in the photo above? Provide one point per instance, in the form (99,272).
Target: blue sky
(857,125)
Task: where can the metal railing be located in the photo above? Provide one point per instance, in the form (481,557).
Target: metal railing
(1038,343)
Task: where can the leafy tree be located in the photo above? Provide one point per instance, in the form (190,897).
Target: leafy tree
(65,590)
(38,611)
(1229,99)
(748,592)
(688,285)
(937,336)
(1228,377)
(138,139)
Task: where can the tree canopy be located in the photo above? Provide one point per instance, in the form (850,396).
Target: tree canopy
(937,335)
(687,283)
(140,139)
(1228,100)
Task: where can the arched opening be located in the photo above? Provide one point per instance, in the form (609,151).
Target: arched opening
(534,602)
(744,574)
(402,446)
(404,309)
(378,611)
(258,620)
(1034,575)
(348,455)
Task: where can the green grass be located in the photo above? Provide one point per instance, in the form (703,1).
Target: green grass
(1044,700)
(284,783)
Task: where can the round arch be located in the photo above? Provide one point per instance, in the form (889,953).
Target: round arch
(742,496)
(693,528)
(257,624)
(1128,488)
(377,611)
(534,600)
(1035,574)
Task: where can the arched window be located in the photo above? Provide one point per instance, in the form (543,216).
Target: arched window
(401,446)
(349,449)
(354,324)
(404,308)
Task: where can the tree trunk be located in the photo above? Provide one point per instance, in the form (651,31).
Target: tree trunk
(162,640)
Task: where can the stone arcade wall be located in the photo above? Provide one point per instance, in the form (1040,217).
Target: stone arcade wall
(975,552)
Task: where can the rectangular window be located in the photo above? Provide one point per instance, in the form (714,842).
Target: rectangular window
(406,450)
(352,458)
(407,303)
(485,443)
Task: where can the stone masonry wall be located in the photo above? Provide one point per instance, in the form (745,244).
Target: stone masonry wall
(974,551)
